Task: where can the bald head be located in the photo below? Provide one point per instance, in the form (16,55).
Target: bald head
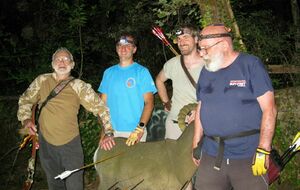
(216,32)
(215,29)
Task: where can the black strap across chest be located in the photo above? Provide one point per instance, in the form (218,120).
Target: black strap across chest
(187,72)
(56,90)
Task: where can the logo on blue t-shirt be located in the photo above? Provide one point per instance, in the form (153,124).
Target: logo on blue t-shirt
(130,83)
(238,83)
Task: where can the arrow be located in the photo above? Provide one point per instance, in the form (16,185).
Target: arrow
(157,31)
(292,150)
(67,173)
(296,142)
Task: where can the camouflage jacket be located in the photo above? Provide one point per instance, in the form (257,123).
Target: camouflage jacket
(58,119)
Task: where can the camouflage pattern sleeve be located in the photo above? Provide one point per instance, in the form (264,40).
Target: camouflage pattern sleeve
(91,101)
(29,98)
(105,119)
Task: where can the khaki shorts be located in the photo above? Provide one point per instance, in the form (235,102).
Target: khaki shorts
(172,129)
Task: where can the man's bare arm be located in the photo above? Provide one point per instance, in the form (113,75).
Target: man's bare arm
(269,112)
(162,90)
(106,141)
(148,108)
(198,130)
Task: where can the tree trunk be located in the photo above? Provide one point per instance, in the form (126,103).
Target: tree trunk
(296,19)
(215,11)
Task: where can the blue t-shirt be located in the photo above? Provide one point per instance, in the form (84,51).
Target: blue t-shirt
(124,88)
(229,105)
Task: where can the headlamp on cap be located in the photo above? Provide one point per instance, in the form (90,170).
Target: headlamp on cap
(125,41)
(182,31)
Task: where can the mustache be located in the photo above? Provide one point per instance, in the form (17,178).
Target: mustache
(183,45)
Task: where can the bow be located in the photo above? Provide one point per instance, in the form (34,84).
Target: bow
(277,162)
(32,160)
(158,32)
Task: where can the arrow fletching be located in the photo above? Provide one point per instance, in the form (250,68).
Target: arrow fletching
(65,174)
(158,32)
(296,143)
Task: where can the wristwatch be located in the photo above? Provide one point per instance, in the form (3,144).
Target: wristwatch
(142,125)
(109,133)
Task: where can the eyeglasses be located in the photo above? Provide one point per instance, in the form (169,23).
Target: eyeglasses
(64,59)
(208,47)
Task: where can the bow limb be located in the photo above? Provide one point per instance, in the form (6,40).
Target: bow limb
(25,141)
(32,160)
(31,164)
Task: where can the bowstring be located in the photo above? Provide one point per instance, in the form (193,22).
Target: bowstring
(12,168)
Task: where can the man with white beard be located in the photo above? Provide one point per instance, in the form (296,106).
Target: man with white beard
(58,132)
(235,117)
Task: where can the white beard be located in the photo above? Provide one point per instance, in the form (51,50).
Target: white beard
(214,62)
(62,70)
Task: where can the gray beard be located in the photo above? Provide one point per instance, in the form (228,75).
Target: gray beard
(214,63)
(62,71)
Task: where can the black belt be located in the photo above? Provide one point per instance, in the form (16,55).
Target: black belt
(221,140)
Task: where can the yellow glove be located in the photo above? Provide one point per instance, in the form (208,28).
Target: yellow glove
(135,136)
(259,160)
(296,142)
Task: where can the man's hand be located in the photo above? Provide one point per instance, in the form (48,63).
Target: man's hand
(135,136)
(28,124)
(190,117)
(196,162)
(167,105)
(197,153)
(196,157)
(107,142)
(260,162)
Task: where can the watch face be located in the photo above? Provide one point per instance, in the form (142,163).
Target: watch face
(141,124)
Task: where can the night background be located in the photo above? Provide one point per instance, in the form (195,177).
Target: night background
(31,30)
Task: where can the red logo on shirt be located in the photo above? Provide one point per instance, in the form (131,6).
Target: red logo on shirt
(237,83)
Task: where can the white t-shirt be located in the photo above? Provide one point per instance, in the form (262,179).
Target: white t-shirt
(183,91)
